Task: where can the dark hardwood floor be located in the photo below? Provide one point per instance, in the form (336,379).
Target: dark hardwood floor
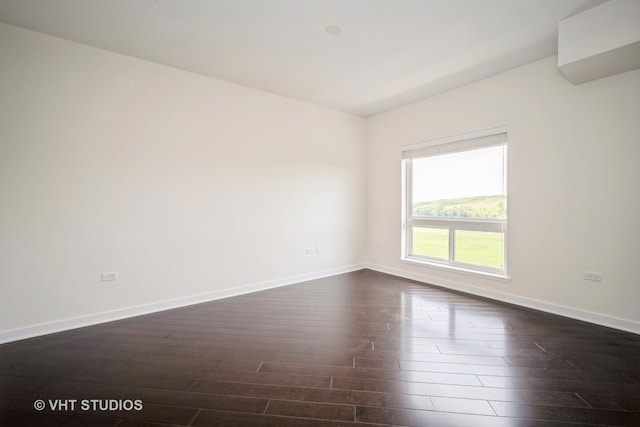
(357,349)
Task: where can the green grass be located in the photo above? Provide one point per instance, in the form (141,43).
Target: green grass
(473,247)
(479,247)
(431,242)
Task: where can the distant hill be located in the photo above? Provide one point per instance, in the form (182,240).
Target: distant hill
(465,207)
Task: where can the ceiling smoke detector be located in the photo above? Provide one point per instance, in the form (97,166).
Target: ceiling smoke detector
(333,29)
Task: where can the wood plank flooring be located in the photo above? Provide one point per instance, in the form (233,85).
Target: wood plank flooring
(358,349)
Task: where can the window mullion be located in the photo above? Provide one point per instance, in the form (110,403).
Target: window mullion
(452,243)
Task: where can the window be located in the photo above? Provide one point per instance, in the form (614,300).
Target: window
(455,202)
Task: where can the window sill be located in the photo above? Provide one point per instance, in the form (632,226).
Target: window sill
(469,272)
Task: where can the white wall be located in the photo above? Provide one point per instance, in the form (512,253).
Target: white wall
(573,183)
(183,184)
(186,185)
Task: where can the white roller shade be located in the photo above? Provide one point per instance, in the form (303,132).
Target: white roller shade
(471,142)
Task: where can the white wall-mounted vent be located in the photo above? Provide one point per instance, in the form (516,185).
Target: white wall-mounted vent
(600,42)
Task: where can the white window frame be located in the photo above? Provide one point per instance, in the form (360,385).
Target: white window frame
(458,143)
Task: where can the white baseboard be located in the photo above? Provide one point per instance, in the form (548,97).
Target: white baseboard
(574,313)
(94,319)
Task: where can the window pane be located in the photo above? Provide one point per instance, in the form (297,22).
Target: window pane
(466,184)
(480,247)
(431,242)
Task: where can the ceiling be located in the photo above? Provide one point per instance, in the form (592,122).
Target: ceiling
(386,54)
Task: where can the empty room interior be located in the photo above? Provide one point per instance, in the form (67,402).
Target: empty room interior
(319,213)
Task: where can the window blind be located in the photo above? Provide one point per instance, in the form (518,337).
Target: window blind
(433,148)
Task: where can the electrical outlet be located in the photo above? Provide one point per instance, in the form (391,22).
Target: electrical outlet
(593,276)
(108,277)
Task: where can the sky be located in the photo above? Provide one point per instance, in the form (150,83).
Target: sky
(462,174)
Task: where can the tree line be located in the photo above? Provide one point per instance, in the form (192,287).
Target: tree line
(462,208)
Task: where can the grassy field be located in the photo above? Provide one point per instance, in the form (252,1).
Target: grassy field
(431,242)
(473,247)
